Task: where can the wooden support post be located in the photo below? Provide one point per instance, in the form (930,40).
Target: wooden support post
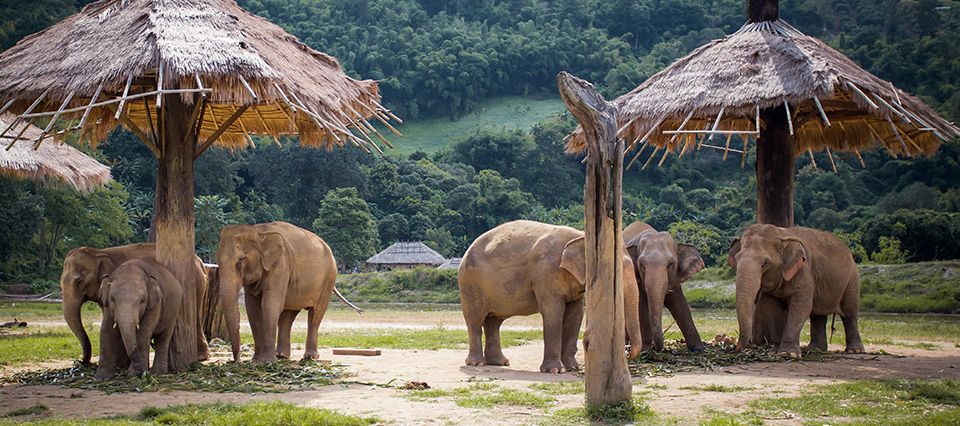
(607,377)
(175,222)
(775,169)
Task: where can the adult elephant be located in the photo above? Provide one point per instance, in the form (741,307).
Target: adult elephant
(811,272)
(282,269)
(85,267)
(661,266)
(525,267)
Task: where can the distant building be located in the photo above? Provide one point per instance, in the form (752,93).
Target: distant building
(404,255)
(451,263)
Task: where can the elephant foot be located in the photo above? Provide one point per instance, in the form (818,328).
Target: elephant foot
(475,360)
(498,360)
(281,355)
(314,355)
(203,354)
(265,358)
(791,350)
(552,367)
(571,364)
(855,348)
(815,347)
(634,352)
(103,375)
(697,347)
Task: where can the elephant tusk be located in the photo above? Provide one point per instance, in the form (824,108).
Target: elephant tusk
(138,326)
(114,324)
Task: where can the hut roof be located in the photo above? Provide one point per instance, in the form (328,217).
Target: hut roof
(132,49)
(451,263)
(720,87)
(52,161)
(407,253)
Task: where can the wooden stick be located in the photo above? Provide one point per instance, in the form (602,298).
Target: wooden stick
(266,128)
(195,115)
(316,119)
(123,99)
(117,100)
(223,128)
(387,111)
(159,89)
(285,98)
(635,157)
(7,105)
(743,154)
(709,132)
(812,159)
(860,158)
(199,83)
(645,136)
(199,123)
(246,135)
(86,113)
(895,93)
(153,130)
(758,118)
(891,108)
(727,148)
(823,114)
(46,131)
(720,148)
(383,121)
(649,160)
(247,86)
(20,117)
(786,107)
(896,132)
(832,163)
(674,138)
(666,152)
(862,95)
(139,133)
(716,124)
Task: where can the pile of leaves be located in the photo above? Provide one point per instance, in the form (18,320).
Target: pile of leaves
(245,377)
(675,358)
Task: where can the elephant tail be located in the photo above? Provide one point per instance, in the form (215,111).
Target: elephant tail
(344,300)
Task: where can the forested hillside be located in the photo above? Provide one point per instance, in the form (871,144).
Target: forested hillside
(443,59)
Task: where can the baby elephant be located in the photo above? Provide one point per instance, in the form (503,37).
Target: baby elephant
(141,300)
(810,273)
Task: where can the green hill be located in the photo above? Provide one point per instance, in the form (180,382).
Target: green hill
(502,113)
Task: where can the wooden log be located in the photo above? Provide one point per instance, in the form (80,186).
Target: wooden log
(175,223)
(775,169)
(607,378)
(357,352)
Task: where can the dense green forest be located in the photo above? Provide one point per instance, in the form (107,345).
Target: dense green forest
(442,58)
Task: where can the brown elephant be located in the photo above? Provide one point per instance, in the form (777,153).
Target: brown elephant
(282,269)
(810,272)
(525,267)
(141,300)
(85,267)
(661,266)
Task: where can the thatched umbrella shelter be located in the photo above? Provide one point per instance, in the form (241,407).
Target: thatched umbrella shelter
(182,75)
(51,162)
(787,92)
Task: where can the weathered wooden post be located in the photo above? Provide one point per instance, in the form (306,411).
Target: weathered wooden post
(607,377)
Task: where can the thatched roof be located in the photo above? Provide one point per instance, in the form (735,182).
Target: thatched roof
(451,263)
(407,253)
(212,48)
(763,65)
(51,161)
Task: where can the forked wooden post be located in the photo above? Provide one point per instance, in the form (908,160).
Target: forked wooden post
(607,377)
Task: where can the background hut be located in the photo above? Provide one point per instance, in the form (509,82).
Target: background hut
(181,76)
(404,255)
(51,162)
(786,92)
(451,263)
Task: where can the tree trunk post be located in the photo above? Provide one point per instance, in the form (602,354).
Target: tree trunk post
(775,169)
(175,221)
(607,377)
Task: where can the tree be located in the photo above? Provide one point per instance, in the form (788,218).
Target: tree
(211,218)
(345,223)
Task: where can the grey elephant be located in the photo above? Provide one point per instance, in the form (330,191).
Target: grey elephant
(283,269)
(810,272)
(661,266)
(141,300)
(525,267)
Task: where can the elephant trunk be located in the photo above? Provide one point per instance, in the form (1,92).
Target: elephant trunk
(631,303)
(71,313)
(128,325)
(655,284)
(748,287)
(229,295)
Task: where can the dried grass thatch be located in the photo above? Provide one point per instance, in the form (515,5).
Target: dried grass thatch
(407,253)
(52,161)
(133,48)
(833,104)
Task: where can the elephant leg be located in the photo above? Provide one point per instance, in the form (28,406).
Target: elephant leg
(203,350)
(271,305)
(677,304)
(769,320)
(283,333)
(646,323)
(474,320)
(314,318)
(572,318)
(255,319)
(797,313)
(113,356)
(140,362)
(850,308)
(162,356)
(492,353)
(551,311)
(818,333)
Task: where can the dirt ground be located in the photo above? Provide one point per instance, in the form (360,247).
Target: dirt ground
(444,369)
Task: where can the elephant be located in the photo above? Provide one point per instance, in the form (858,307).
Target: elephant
(661,266)
(282,269)
(811,273)
(85,267)
(141,301)
(525,267)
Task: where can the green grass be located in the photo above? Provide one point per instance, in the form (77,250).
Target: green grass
(560,388)
(485,395)
(871,402)
(38,344)
(636,412)
(500,113)
(220,414)
(717,388)
(29,411)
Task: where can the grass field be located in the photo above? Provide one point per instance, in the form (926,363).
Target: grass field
(501,113)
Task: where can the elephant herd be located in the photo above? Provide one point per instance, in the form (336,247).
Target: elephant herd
(783,277)
(282,269)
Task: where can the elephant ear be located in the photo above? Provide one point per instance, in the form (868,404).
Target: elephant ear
(573,260)
(105,267)
(104,293)
(732,253)
(271,249)
(689,261)
(793,258)
(153,292)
